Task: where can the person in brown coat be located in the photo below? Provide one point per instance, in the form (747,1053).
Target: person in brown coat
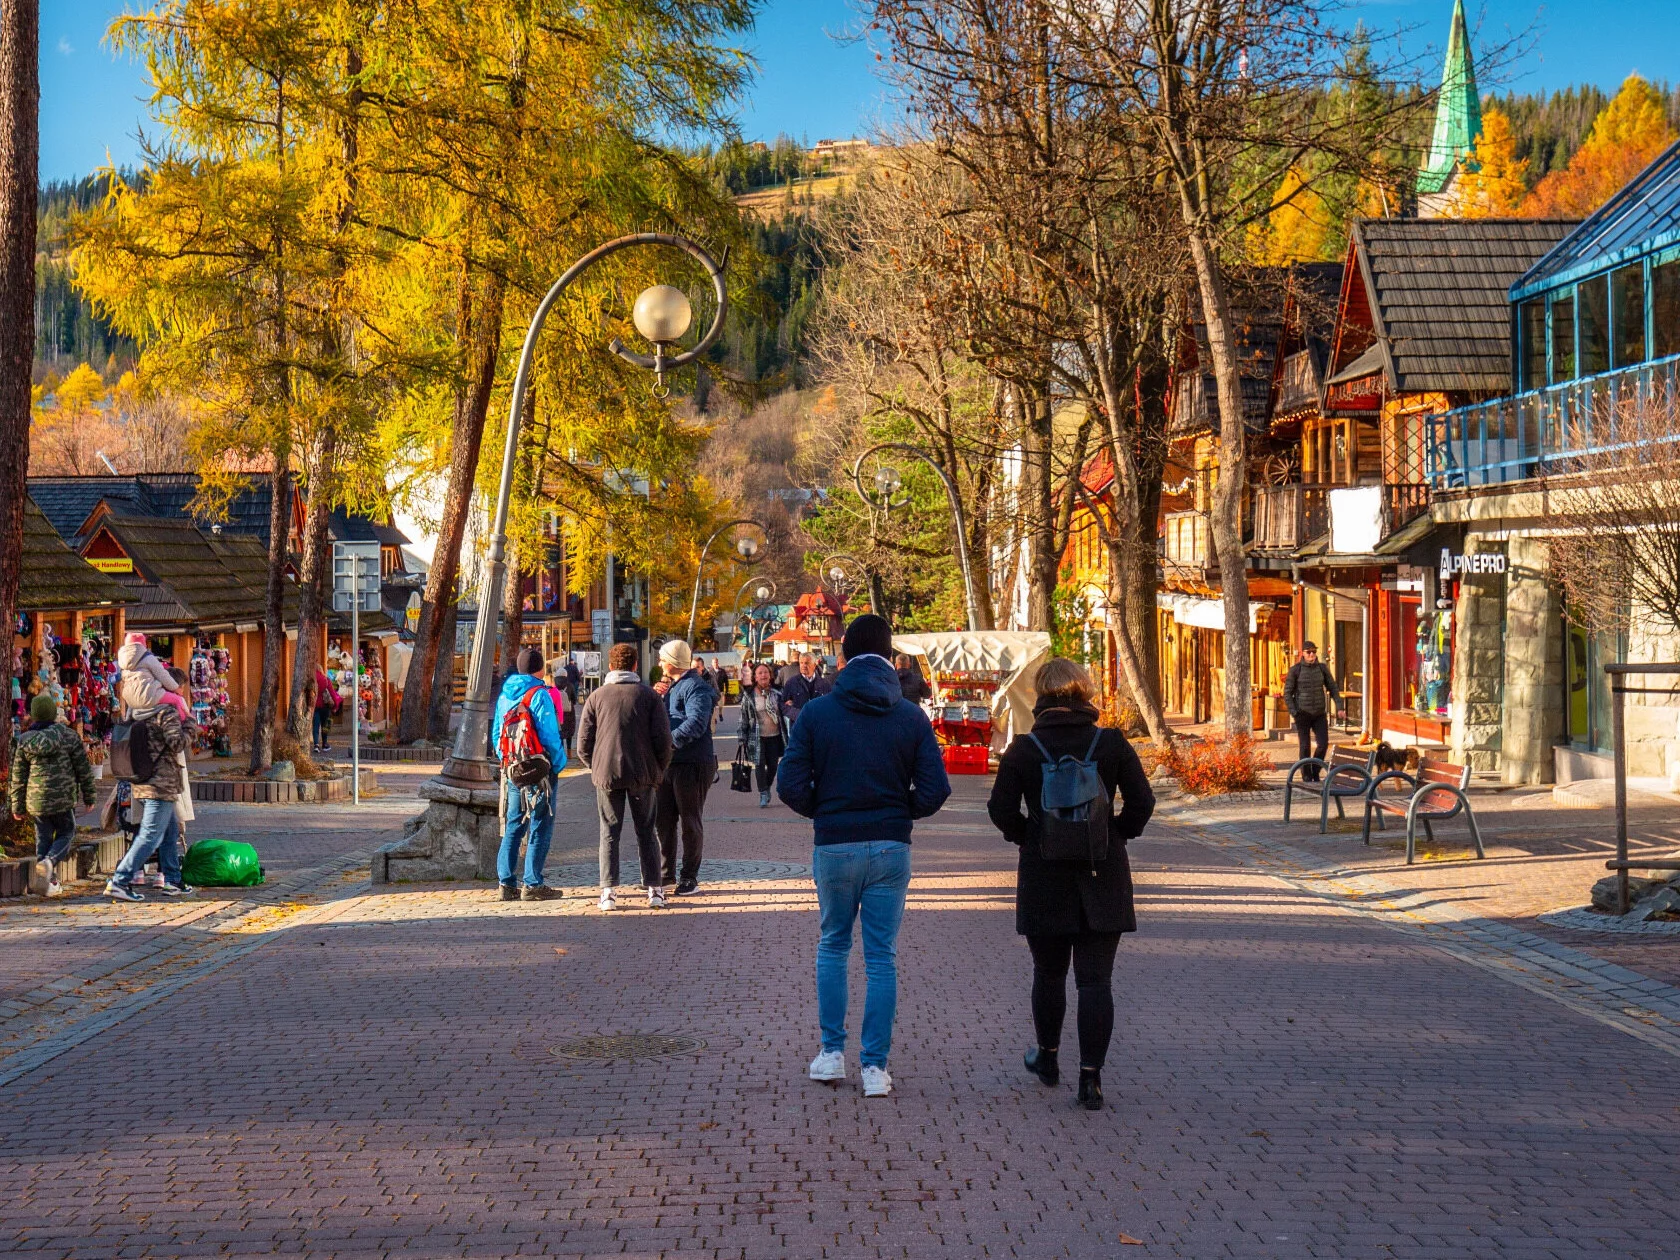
(624,737)
(1071,911)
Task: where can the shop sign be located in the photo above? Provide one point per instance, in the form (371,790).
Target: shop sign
(112,564)
(1454,565)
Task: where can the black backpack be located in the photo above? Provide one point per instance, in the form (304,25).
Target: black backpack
(131,751)
(1075,808)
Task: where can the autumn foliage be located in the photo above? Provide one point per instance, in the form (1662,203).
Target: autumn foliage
(1631,131)
(1496,187)
(1213,766)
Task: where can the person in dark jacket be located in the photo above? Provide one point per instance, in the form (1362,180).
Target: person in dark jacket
(1308,690)
(624,736)
(803,687)
(764,728)
(910,680)
(862,764)
(689,701)
(160,829)
(1066,910)
(50,772)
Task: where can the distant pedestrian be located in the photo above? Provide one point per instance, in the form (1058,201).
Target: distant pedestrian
(1071,908)
(569,708)
(910,680)
(689,700)
(326,704)
(157,737)
(804,687)
(1308,692)
(50,771)
(527,733)
(624,737)
(764,729)
(862,763)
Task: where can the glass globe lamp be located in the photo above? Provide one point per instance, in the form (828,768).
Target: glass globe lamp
(662,314)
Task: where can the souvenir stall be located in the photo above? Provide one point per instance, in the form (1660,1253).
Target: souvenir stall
(207,675)
(982,688)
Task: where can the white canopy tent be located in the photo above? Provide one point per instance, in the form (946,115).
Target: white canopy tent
(1016,654)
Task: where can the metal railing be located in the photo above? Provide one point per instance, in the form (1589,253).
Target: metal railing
(1537,433)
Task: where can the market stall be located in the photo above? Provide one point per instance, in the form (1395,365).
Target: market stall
(982,685)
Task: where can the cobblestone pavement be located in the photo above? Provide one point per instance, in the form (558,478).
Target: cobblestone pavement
(1314,1058)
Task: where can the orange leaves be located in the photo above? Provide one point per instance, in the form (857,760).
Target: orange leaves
(1626,136)
(1497,187)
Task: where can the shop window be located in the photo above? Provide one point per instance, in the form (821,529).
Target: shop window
(1665,307)
(1627,288)
(1563,339)
(1349,668)
(1587,689)
(1593,301)
(1531,330)
(1431,657)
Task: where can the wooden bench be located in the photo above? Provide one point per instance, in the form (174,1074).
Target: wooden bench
(1437,793)
(1347,775)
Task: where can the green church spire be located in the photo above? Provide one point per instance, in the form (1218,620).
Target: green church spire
(1458,113)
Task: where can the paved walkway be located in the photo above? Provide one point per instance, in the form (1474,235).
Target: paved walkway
(1319,1055)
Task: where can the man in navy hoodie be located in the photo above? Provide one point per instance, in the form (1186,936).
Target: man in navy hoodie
(862,764)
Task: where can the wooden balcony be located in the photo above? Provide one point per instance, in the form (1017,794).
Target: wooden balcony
(1298,387)
(1189,550)
(1288,517)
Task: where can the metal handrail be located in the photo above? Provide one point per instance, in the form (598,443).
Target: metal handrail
(1619,747)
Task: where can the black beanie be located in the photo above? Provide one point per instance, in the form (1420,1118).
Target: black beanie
(529,661)
(868,634)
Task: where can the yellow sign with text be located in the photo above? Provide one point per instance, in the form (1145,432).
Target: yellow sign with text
(112,564)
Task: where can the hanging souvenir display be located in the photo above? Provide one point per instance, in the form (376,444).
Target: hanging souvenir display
(207,675)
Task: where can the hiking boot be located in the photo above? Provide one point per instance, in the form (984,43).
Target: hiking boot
(830,1065)
(121,892)
(510,892)
(1042,1064)
(539,892)
(877,1083)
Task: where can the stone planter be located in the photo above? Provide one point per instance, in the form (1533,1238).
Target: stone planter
(285,792)
(391,752)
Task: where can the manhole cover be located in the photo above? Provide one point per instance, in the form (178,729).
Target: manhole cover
(625,1047)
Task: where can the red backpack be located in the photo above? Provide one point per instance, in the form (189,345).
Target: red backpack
(523,760)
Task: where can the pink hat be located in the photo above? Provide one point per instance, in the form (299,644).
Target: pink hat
(135,639)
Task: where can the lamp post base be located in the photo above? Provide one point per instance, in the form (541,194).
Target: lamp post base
(458,835)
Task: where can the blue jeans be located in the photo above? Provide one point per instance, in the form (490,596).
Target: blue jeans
(871,877)
(318,727)
(159,833)
(530,817)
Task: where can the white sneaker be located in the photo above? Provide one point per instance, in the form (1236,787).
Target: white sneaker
(876,1082)
(609,900)
(830,1065)
(656,898)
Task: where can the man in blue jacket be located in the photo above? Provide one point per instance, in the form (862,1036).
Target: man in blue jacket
(689,699)
(862,764)
(530,811)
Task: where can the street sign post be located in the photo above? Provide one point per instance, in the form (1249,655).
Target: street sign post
(356,590)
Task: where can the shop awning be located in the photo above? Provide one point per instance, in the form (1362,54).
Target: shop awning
(1204,614)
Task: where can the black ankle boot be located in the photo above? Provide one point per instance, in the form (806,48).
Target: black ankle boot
(1090,1089)
(1042,1064)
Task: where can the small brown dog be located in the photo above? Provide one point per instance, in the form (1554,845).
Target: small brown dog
(1389,758)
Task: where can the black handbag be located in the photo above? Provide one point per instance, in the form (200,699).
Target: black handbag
(740,770)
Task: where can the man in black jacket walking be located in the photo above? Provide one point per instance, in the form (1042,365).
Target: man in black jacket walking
(624,736)
(1307,692)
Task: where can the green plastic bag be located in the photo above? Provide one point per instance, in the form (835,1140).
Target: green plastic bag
(222,864)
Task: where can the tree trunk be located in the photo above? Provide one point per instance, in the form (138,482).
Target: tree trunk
(483,324)
(314,586)
(1038,485)
(20,103)
(1225,526)
(274,625)
(440,699)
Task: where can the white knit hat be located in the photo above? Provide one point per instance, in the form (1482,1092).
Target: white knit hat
(676,654)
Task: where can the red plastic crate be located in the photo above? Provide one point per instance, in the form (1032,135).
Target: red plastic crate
(965,759)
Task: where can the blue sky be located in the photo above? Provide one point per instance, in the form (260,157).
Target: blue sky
(812,86)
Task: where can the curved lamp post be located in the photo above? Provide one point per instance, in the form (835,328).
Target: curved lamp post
(831,569)
(746,548)
(662,315)
(887,483)
(764,590)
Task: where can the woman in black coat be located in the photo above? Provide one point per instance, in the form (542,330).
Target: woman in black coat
(1069,911)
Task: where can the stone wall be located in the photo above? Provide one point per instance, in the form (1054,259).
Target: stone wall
(1478,671)
(1533,646)
(1652,722)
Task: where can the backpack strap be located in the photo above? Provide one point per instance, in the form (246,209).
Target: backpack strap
(1048,759)
(1091,752)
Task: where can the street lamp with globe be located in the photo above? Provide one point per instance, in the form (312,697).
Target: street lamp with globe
(662,315)
(888,481)
(747,549)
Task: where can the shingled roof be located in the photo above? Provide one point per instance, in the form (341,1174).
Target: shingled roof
(180,575)
(1439,295)
(56,579)
(69,501)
